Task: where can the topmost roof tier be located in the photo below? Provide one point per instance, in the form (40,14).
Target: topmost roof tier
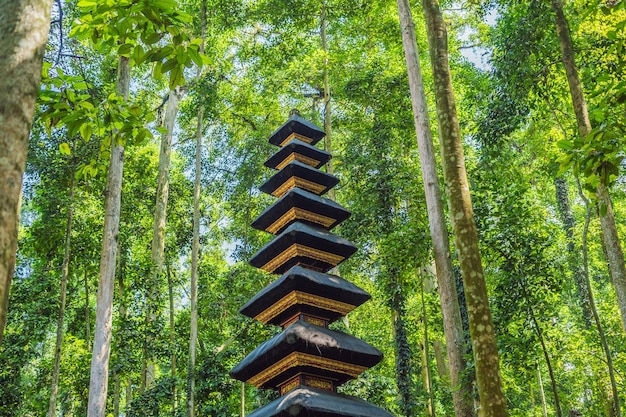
(296,128)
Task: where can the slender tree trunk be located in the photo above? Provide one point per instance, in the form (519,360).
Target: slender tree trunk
(594,310)
(610,238)
(453,326)
(328,144)
(243,399)
(87,313)
(98,382)
(492,399)
(116,395)
(158,236)
(546,355)
(425,362)
(170,290)
(544,406)
(24,33)
(54,389)
(402,347)
(195,247)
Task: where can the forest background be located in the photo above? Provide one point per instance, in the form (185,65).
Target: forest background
(206,84)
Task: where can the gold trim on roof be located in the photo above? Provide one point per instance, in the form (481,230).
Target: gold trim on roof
(295,135)
(294,156)
(300,250)
(296,213)
(297,359)
(299,297)
(293,182)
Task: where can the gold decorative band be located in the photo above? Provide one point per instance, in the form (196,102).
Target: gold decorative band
(294,156)
(296,213)
(297,359)
(319,383)
(300,250)
(295,135)
(293,182)
(299,297)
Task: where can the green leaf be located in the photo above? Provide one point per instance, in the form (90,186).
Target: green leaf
(565,144)
(64,148)
(125,50)
(87,3)
(85,131)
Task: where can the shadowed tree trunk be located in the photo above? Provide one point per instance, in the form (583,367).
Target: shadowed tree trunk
(24,32)
(195,248)
(99,378)
(610,238)
(453,327)
(328,144)
(492,399)
(158,235)
(594,310)
(54,388)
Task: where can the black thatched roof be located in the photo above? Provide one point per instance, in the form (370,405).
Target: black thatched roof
(309,402)
(306,338)
(300,170)
(306,236)
(296,124)
(299,147)
(303,200)
(311,282)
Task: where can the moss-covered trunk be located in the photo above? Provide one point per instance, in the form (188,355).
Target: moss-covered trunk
(492,399)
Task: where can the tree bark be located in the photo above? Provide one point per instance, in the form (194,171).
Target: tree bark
(195,248)
(594,310)
(54,388)
(610,238)
(544,406)
(87,314)
(158,235)
(546,355)
(99,378)
(170,290)
(403,356)
(492,399)
(425,362)
(453,326)
(328,144)
(24,33)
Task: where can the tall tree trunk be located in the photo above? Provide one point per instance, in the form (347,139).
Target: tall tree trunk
(24,33)
(158,235)
(492,399)
(404,369)
(116,394)
(170,290)
(594,310)
(87,313)
(195,248)
(546,355)
(544,406)
(195,245)
(99,378)
(610,238)
(425,356)
(328,144)
(453,326)
(54,388)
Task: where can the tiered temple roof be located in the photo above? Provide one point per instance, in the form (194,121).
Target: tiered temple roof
(306,362)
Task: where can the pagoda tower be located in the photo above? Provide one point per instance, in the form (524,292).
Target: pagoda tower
(307,361)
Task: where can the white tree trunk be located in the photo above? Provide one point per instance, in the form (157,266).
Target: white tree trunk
(158,235)
(99,378)
(24,26)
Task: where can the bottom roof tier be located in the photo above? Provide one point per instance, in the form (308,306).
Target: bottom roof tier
(305,401)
